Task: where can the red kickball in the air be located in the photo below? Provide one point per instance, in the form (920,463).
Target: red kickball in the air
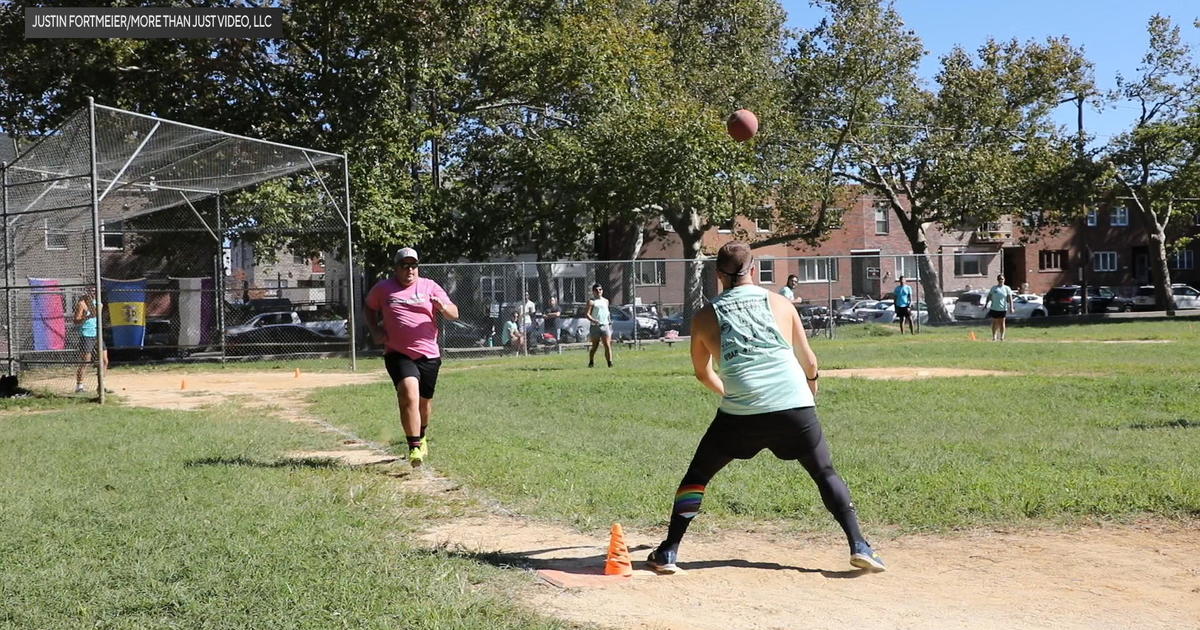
(742,125)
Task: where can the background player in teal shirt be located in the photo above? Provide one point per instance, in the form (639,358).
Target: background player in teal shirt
(1000,303)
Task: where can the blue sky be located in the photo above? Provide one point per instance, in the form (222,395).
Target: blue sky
(1111,32)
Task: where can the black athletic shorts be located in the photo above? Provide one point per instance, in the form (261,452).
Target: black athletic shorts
(424,369)
(902,311)
(997,314)
(789,434)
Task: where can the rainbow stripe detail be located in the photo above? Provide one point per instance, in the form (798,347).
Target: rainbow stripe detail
(687,500)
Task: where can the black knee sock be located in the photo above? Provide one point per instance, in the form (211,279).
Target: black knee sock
(413,440)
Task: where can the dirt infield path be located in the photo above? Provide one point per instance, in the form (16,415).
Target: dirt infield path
(1143,576)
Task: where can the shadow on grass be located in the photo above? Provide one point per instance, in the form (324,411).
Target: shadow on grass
(1181,423)
(287,462)
(594,564)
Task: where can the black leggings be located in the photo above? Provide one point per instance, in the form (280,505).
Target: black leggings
(790,434)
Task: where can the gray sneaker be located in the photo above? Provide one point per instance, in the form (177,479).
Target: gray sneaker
(662,561)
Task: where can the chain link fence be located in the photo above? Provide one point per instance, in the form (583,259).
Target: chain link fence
(651,300)
(147,239)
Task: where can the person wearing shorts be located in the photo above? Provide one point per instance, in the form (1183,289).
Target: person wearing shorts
(87,318)
(601,330)
(401,313)
(903,305)
(768,384)
(999,301)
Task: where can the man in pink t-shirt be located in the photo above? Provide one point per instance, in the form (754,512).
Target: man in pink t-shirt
(400,315)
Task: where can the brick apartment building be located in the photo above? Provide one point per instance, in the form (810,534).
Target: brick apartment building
(870,251)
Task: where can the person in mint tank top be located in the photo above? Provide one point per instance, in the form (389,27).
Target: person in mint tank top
(87,318)
(402,312)
(767,383)
(903,303)
(999,301)
(601,331)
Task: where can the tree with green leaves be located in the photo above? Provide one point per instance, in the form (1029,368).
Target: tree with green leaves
(964,154)
(1155,165)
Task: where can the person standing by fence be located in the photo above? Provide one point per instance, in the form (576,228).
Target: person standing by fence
(87,318)
(601,331)
(903,304)
(401,313)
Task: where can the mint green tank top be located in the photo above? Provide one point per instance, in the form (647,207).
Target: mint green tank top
(757,365)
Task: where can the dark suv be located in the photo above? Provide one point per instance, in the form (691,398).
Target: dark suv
(1066,300)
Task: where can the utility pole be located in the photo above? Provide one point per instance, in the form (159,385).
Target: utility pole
(1079,152)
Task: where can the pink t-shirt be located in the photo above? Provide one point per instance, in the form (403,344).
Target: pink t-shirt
(408,315)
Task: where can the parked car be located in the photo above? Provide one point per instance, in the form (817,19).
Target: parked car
(814,316)
(863,308)
(1067,300)
(322,322)
(157,343)
(1186,297)
(456,333)
(671,322)
(970,305)
(325,321)
(281,339)
(846,312)
(623,323)
(1027,305)
(884,312)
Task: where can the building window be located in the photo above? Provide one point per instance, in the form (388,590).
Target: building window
(57,238)
(968,264)
(651,272)
(1120,216)
(1104,261)
(574,290)
(112,236)
(818,270)
(766,271)
(725,227)
(299,260)
(881,218)
(1182,259)
(491,289)
(762,225)
(1093,217)
(1052,259)
(1196,219)
(907,266)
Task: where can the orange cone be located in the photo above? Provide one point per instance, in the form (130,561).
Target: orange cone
(183,384)
(297,372)
(618,562)
(973,335)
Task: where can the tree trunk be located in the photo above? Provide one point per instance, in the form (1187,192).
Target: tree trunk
(930,281)
(631,247)
(687,225)
(1160,272)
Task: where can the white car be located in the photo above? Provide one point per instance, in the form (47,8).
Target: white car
(1027,305)
(862,308)
(970,305)
(884,312)
(1186,297)
(847,309)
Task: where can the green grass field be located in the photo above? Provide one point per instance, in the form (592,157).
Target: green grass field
(133,518)
(1081,431)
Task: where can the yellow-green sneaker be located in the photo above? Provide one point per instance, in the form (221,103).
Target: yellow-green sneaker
(416,454)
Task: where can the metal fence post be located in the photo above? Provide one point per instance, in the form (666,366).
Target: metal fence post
(100,349)
(351,299)
(8,266)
